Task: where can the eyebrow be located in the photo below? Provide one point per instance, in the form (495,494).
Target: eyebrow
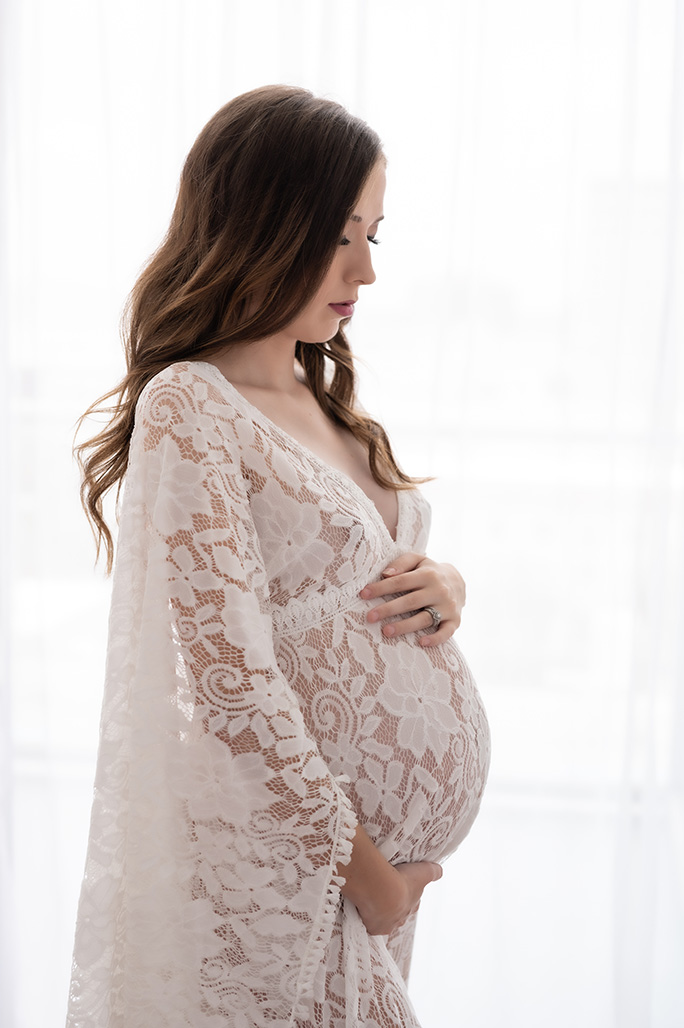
(356,217)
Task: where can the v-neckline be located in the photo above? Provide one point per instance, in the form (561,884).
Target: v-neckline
(324,464)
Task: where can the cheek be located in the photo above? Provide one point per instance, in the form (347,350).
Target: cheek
(318,322)
(320,325)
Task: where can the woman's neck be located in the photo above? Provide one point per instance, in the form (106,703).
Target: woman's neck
(265,364)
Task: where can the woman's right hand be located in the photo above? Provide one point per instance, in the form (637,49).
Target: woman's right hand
(384,894)
(389,908)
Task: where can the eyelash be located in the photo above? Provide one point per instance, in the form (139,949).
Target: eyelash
(371,239)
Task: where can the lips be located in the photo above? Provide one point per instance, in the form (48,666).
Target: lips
(345,309)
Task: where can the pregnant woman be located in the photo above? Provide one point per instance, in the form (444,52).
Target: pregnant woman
(291,740)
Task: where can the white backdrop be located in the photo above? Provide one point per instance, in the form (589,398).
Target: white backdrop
(523,343)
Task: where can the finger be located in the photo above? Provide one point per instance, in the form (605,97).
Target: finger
(404,562)
(404,604)
(434,871)
(418,623)
(444,632)
(407,582)
(423,577)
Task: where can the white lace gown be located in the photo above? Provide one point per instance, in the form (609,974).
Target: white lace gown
(251,716)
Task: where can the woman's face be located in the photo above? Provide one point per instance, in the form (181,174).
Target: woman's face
(351,267)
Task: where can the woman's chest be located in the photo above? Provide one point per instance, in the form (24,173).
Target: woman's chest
(317,529)
(317,536)
(303,422)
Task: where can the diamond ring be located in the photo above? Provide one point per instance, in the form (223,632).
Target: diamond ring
(435,615)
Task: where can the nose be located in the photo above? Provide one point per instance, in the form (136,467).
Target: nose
(360,268)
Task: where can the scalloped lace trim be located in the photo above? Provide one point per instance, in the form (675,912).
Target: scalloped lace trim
(300,615)
(325,917)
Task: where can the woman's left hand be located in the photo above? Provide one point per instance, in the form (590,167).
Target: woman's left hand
(422,583)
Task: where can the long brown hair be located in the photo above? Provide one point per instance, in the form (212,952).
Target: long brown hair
(264,196)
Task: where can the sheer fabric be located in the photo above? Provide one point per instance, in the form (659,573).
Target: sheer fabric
(528,325)
(251,715)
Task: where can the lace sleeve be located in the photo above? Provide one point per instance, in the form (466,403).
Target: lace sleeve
(216,828)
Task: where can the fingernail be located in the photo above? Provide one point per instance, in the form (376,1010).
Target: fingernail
(372,616)
(390,571)
(365,593)
(388,630)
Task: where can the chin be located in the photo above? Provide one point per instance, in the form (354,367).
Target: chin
(324,335)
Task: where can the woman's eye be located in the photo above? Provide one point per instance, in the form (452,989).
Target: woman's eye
(371,239)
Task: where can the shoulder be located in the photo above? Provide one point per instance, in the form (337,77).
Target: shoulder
(192,403)
(184,383)
(189,390)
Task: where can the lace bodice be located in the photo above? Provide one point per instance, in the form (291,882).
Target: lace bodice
(251,716)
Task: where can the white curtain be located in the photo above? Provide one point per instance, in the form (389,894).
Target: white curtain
(523,344)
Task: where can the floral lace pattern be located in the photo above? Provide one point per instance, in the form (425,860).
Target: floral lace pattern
(251,716)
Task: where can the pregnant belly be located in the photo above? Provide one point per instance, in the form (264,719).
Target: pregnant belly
(405,724)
